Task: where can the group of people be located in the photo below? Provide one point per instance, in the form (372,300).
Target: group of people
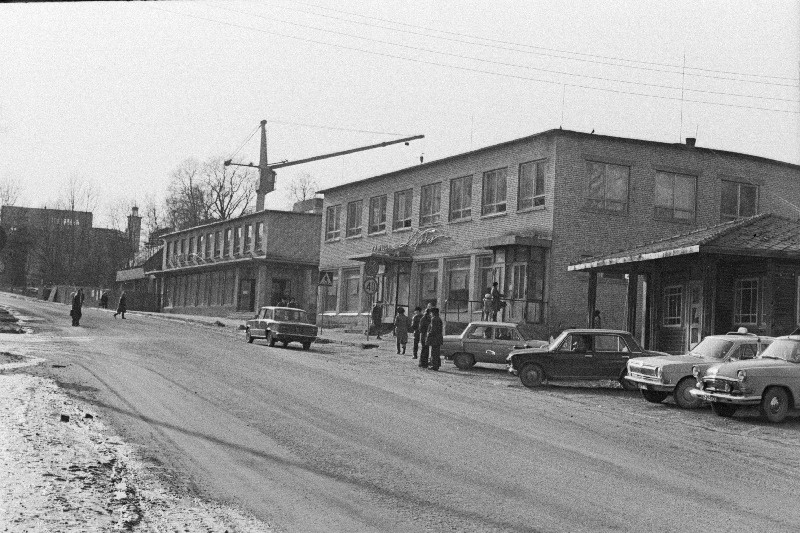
(77,298)
(428,331)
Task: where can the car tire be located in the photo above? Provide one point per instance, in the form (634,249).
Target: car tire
(285,343)
(270,338)
(774,404)
(306,345)
(463,361)
(627,385)
(531,375)
(724,410)
(683,398)
(654,396)
(247,336)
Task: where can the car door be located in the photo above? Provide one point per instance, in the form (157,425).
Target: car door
(478,341)
(506,338)
(572,358)
(611,354)
(262,322)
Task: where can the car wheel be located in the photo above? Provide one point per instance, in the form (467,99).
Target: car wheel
(463,361)
(682,396)
(531,375)
(247,336)
(306,345)
(627,385)
(270,338)
(654,396)
(285,343)
(775,404)
(725,410)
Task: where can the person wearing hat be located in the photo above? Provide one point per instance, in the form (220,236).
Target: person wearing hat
(401,326)
(435,339)
(415,328)
(424,324)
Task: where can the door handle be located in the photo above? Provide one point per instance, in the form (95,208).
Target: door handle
(588,355)
(491,352)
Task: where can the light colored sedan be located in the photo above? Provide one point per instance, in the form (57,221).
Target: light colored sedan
(486,342)
(281,324)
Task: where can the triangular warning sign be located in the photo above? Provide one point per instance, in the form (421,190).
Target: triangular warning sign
(325,279)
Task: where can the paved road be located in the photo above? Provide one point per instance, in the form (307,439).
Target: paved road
(338,439)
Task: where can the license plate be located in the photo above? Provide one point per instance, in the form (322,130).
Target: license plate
(705,396)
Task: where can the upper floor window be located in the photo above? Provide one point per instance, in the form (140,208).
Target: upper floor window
(430,204)
(183,246)
(237,240)
(738,200)
(494,192)
(675,196)
(531,185)
(227,244)
(461,198)
(333,224)
(402,209)
(248,237)
(354,213)
(217,244)
(259,245)
(169,249)
(209,237)
(191,245)
(607,186)
(377,214)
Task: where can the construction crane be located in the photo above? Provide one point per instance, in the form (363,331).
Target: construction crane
(267,172)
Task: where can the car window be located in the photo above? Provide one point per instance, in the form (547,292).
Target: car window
(786,349)
(290,315)
(744,351)
(506,334)
(609,343)
(264,313)
(575,342)
(481,332)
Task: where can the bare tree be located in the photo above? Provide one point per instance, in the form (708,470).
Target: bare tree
(303,187)
(187,199)
(153,215)
(9,191)
(231,189)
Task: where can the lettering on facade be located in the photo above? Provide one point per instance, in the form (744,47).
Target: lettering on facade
(417,239)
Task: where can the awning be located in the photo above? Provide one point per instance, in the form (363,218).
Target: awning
(383,257)
(502,241)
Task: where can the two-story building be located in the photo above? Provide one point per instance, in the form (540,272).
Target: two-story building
(520,213)
(240,264)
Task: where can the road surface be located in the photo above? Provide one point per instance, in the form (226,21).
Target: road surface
(344,439)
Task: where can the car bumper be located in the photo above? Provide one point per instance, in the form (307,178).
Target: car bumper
(513,371)
(293,337)
(721,397)
(650,384)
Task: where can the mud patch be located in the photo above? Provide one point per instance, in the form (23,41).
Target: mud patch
(8,357)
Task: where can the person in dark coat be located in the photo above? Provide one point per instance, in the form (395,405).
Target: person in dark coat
(401,326)
(122,306)
(497,302)
(415,328)
(104,300)
(435,339)
(77,305)
(424,324)
(377,318)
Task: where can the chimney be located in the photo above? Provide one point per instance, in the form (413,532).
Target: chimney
(134,228)
(690,141)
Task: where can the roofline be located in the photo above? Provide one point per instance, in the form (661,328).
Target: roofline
(686,250)
(563,132)
(240,217)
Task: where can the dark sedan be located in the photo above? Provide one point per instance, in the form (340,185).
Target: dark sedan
(579,354)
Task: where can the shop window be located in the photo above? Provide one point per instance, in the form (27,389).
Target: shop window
(531,185)
(745,307)
(485,275)
(377,214)
(402,209)
(673,306)
(430,204)
(352,291)
(607,186)
(333,222)
(354,218)
(494,192)
(738,200)
(428,283)
(457,275)
(675,196)
(329,292)
(461,198)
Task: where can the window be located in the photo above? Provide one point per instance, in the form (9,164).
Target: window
(738,200)
(609,343)
(494,192)
(506,334)
(457,284)
(354,218)
(248,237)
(485,275)
(329,292)
(428,283)
(461,198)
(352,284)
(377,214)
(481,332)
(675,196)
(191,245)
(673,305)
(332,223)
(218,244)
(209,238)
(607,186)
(183,246)
(237,241)
(745,307)
(201,247)
(402,209)
(430,204)
(226,251)
(259,236)
(531,185)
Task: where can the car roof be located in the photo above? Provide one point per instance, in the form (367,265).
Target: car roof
(597,330)
(742,336)
(278,307)
(490,323)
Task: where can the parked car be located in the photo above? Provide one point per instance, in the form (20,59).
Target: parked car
(658,377)
(281,324)
(771,381)
(579,354)
(486,342)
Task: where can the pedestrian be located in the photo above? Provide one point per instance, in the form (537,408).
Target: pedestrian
(104,300)
(401,326)
(597,322)
(122,306)
(435,339)
(424,324)
(487,306)
(415,328)
(377,318)
(291,302)
(497,303)
(77,305)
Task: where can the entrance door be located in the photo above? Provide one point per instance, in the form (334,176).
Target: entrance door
(247,295)
(281,291)
(695,313)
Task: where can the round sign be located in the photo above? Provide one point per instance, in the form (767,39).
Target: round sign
(371,267)
(370,285)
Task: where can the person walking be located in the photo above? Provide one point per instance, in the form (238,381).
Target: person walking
(401,326)
(122,306)
(424,324)
(497,302)
(415,328)
(377,318)
(77,305)
(435,339)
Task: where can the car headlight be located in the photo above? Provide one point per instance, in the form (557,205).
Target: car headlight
(659,372)
(696,372)
(741,375)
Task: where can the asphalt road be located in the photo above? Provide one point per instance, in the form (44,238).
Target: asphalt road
(338,439)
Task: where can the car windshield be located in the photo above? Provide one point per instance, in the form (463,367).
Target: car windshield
(712,348)
(290,315)
(786,349)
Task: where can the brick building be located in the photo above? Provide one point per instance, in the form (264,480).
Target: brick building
(241,264)
(520,213)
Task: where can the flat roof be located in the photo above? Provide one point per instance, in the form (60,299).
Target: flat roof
(240,217)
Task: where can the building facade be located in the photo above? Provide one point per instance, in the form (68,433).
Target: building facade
(238,265)
(520,213)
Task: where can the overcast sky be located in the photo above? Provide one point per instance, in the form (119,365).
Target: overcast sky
(120,93)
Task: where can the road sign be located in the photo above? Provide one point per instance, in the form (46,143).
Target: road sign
(325,279)
(370,286)
(371,267)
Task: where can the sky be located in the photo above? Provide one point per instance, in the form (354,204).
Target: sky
(119,94)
